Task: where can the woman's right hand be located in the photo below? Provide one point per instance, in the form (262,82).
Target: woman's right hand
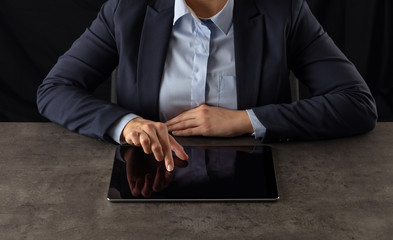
(154,138)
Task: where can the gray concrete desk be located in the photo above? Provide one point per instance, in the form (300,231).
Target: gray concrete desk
(53,185)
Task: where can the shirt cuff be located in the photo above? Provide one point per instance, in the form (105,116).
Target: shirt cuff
(117,127)
(259,129)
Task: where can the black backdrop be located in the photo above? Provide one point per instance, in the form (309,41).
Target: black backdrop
(33,34)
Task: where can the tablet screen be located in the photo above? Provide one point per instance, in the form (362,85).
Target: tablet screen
(210,174)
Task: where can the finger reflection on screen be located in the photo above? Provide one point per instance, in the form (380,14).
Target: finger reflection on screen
(145,175)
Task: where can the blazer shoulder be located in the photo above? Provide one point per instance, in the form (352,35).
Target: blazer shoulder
(282,12)
(133,3)
(155,4)
(280,6)
(124,12)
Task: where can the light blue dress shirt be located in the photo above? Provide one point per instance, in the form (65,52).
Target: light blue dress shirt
(199,67)
(200,64)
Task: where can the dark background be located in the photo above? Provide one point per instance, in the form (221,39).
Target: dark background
(33,34)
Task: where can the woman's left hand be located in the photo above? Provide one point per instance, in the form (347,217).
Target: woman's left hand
(210,121)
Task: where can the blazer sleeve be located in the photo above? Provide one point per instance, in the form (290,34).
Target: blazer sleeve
(65,96)
(341,103)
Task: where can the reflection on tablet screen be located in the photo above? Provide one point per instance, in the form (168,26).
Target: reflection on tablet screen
(210,174)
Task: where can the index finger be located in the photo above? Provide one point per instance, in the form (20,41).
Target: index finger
(163,137)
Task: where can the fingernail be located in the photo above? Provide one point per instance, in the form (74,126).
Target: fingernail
(169,167)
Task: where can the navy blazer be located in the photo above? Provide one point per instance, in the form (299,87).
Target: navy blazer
(272,37)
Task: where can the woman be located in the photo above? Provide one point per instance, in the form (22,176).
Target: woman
(206,67)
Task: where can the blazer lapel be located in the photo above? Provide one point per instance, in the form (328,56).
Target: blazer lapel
(155,36)
(248,30)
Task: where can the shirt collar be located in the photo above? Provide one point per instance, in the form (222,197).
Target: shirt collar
(223,19)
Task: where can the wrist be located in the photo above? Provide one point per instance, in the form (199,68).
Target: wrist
(244,123)
(127,128)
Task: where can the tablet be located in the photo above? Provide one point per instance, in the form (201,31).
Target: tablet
(244,173)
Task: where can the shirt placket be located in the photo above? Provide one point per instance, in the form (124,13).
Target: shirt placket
(201,56)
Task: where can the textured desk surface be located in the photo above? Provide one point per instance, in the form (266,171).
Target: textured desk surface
(53,185)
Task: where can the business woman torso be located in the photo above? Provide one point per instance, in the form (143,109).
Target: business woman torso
(271,37)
